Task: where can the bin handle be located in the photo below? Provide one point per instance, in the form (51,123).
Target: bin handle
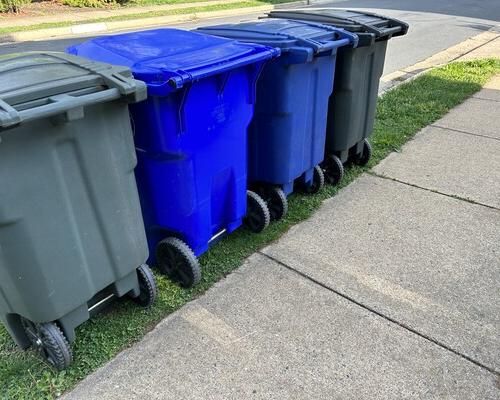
(320,46)
(317,45)
(179,80)
(393,30)
(112,78)
(9,116)
(395,25)
(58,104)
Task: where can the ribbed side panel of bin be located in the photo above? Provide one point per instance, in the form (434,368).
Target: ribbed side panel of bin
(287,134)
(190,136)
(353,103)
(71,230)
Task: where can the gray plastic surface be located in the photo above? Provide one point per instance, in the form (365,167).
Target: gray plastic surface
(31,76)
(351,20)
(352,105)
(70,219)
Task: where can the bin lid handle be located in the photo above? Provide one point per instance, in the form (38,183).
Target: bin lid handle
(9,116)
(317,45)
(112,78)
(178,79)
(58,104)
(395,25)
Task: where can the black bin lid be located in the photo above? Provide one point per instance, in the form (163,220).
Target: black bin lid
(354,21)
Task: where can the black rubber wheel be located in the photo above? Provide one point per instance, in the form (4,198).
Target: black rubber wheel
(49,340)
(363,158)
(176,260)
(317,183)
(147,286)
(258,217)
(276,201)
(334,169)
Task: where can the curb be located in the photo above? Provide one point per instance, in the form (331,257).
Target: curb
(100,27)
(452,53)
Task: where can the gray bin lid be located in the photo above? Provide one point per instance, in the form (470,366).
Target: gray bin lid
(43,84)
(353,21)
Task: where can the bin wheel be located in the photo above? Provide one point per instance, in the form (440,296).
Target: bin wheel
(258,216)
(363,158)
(147,286)
(334,169)
(49,340)
(317,183)
(276,201)
(176,260)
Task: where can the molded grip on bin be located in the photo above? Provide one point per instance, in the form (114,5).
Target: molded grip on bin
(178,81)
(9,116)
(113,77)
(325,45)
(61,104)
(393,31)
(396,26)
(299,55)
(321,46)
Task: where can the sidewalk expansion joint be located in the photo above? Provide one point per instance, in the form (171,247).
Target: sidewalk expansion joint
(452,196)
(484,99)
(492,29)
(384,316)
(463,132)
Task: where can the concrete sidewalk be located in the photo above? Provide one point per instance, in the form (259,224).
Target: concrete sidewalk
(390,291)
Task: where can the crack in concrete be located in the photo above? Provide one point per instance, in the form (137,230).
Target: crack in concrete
(452,196)
(386,317)
(464,132)
(485,99)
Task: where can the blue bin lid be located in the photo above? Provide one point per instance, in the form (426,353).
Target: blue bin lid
(286,34)
(167,59)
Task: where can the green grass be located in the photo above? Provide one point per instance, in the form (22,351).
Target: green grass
(149,14)
(401,113)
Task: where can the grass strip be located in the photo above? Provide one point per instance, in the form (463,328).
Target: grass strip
(401,113)
(149,14)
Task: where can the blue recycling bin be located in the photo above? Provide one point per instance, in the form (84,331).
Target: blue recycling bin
(288,131)
(190,137)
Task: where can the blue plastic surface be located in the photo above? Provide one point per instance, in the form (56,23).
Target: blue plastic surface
(191,132)
(288,131)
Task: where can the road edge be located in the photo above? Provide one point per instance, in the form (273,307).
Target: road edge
(142,23)
(453,53)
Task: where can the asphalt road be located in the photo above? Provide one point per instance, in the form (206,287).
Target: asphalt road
(434,26)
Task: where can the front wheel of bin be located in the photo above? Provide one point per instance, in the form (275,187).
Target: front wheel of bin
(176,260)
(49,340)
(317,183)
(334,169)
(277,203)
(363,158)
(147,286)
(258,217)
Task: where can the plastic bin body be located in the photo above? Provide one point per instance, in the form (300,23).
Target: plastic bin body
(287,134)
(351,110)
(352,106)
(193,178)
(71,228)
(190,134)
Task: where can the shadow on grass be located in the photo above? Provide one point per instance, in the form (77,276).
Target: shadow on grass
(401,113)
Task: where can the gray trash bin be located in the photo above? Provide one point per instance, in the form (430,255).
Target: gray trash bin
(71,231)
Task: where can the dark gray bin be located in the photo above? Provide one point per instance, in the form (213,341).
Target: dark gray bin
(351,111)
(71,230)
